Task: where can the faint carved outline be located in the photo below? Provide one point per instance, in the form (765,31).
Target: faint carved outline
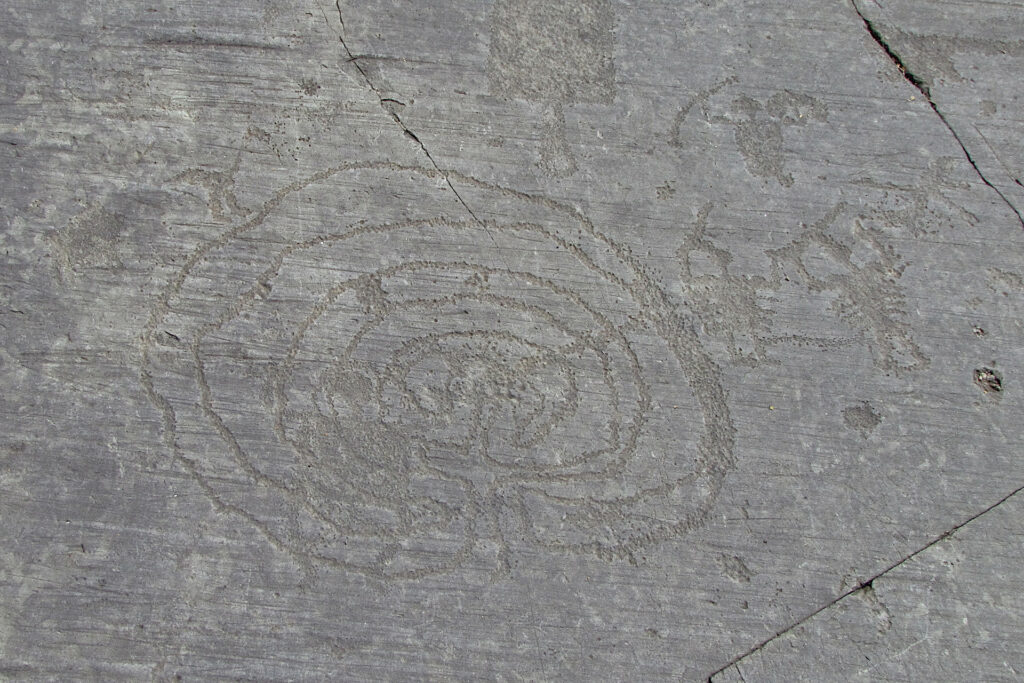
(867,295)
(512,498)
(554,54)
(866,291)
(91,238)
(758,126)
(699,100)
(219,187)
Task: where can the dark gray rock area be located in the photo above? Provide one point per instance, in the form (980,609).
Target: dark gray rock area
(511,340)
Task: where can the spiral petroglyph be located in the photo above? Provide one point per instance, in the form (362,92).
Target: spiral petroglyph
(399,391)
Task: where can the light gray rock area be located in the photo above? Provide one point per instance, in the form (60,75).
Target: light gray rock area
(939,616)
(511,340)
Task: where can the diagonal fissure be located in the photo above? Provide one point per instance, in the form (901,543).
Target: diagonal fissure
(868,584)
(923,88)
(384,105)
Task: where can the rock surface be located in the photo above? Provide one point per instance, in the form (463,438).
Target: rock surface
(511,340)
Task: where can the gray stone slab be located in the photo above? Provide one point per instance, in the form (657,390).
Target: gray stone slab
(512,340)
(952,612)
(963,57)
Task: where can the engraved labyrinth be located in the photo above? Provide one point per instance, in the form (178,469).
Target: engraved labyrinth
(403,396)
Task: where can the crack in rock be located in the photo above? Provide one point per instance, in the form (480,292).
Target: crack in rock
(922,87)
(387,104)
(865,587)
